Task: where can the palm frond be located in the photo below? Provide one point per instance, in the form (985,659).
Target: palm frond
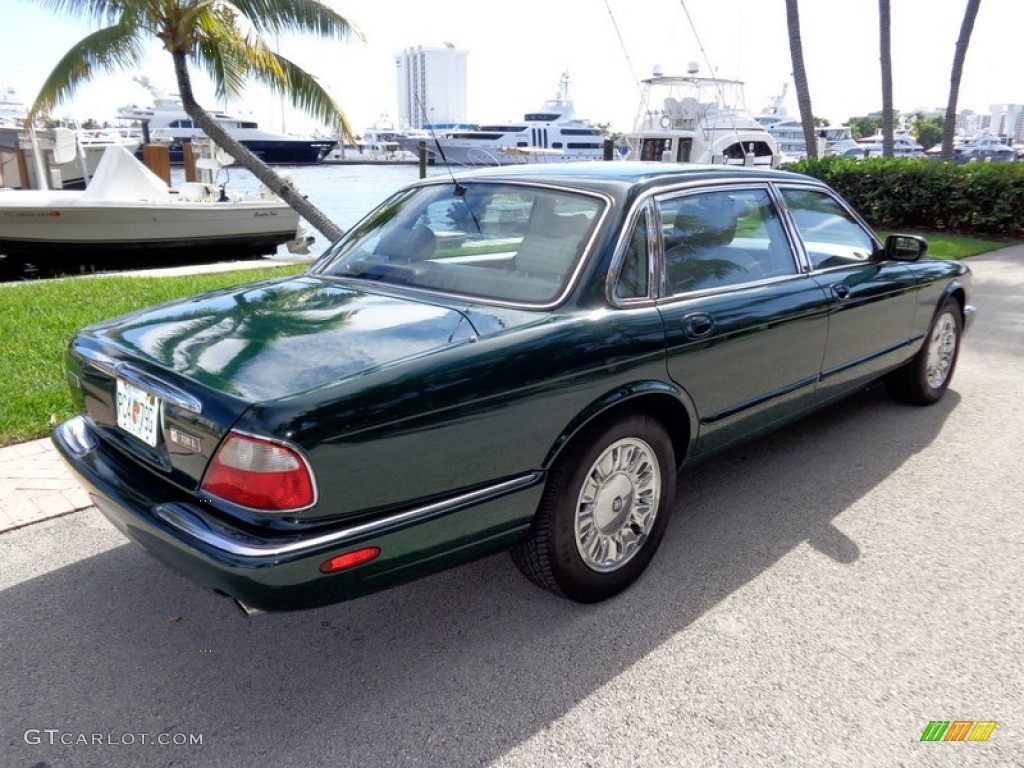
(109,49)
(304,91)
(303,16)
(103,11)
(223,52)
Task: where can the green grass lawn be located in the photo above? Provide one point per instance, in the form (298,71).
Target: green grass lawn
(37,319)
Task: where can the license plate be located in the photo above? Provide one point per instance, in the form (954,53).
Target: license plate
(138,412)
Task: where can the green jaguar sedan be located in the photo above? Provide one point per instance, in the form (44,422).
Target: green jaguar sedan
(519,358)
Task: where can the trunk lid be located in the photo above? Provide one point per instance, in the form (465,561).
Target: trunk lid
(208,358)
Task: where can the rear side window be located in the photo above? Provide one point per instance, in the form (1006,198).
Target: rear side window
(634,275)
(831,236)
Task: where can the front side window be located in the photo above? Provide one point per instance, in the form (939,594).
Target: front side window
(832,237)
(723,238)
(504,242)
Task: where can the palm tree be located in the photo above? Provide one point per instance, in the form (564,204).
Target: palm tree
(949,128)
(885,54)
(223,37)
(803,91)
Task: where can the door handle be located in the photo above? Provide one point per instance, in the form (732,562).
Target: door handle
(841,291)
(698,325)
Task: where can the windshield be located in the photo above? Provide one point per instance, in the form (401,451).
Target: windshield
(504,242)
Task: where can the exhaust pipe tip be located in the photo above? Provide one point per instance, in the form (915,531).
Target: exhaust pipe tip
(248,610)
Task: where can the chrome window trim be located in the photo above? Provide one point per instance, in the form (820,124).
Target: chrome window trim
(648,213)
(726,289)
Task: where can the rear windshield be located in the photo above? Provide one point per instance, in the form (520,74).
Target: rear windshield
(503,242)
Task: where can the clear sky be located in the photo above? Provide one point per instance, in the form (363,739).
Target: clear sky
(518,50)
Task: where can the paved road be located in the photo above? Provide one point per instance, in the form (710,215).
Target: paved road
(822,595)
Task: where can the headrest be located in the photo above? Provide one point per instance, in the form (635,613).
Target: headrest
(707,220)
(417,244)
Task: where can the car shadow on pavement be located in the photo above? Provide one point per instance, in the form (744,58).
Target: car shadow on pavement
(452,670)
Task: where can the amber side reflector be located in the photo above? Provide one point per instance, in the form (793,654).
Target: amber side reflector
(349,560)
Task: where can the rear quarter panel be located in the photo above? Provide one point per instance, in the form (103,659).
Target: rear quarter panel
(465,416)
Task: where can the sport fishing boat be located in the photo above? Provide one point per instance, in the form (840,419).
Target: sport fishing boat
(168,123)
(693,119)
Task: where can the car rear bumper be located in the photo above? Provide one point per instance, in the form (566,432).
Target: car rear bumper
(271,570)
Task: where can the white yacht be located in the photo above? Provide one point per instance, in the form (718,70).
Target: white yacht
(904,145)
(378,144)
(789,135)
(167,122)
(985,148)
(693,119)
(552,133)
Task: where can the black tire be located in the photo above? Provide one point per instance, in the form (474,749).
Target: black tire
(925,379)
(626,522)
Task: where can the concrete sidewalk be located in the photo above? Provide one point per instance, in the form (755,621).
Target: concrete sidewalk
(35,485)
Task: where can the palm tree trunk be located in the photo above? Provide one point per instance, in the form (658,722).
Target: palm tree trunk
(803,92)
(970,14)
(885,54)
(279,186)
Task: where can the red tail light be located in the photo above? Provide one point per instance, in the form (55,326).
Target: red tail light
(259,474)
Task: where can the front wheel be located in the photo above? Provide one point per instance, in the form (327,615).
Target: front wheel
(925,379)
(603,512)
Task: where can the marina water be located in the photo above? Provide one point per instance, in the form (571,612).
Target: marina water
(345,193)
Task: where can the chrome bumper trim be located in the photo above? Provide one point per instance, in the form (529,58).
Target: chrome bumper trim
(178,516)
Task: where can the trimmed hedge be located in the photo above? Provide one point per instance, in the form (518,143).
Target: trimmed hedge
(897,193)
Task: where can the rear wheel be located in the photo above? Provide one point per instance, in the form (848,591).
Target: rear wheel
(603,512)
(925,379)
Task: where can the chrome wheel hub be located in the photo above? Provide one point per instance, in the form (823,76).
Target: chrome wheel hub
(617,504)
(941,348)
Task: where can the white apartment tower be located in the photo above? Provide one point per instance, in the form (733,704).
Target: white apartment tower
(431,86)
(1008,120)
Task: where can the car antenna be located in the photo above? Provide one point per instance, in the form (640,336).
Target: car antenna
(460,190)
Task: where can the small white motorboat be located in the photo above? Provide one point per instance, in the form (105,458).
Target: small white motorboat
(127,209)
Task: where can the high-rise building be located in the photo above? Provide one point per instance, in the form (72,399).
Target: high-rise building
(1008,120)
(431,86)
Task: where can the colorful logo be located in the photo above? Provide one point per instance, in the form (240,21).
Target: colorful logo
(958,730)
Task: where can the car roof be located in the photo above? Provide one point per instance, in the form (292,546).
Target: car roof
(620,174)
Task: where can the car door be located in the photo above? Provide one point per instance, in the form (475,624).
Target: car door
(745,327)
(872,300)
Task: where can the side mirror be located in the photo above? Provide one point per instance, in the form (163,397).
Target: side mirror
(905,247)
